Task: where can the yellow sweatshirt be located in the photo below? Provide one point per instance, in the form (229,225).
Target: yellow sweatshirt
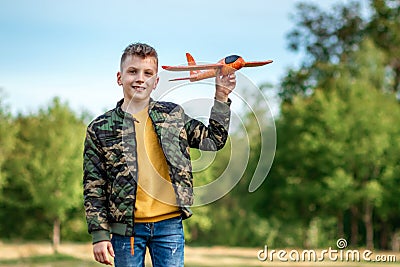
(155,197)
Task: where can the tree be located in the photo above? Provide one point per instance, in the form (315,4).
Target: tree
(325,37)
(47,163)
(8,131)
(384,28)
(328,37)
(333,146)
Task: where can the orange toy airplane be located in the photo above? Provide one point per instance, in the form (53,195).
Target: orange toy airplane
(227,65)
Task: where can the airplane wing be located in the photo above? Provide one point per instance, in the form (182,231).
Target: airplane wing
(257,63)
(193,67)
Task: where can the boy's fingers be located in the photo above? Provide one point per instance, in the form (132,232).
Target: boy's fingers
(100,251)
(218,75)
(102,258)
(111,250)
(106,260)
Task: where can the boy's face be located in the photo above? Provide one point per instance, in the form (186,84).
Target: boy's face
(138,77)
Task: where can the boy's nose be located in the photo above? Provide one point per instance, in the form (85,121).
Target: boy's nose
(140,77)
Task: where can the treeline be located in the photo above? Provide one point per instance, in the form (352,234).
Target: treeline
(338,134)
(336,171)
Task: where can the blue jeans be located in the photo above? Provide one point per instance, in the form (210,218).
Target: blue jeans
(164,239)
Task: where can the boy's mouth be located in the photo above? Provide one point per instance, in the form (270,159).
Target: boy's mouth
(139,88)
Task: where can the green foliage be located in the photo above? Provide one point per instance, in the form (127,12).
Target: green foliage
(384,28)
(325,35)
(229,221)
(330,37)
(341,109)
(44,171)
(7,138)
(54,145)
(339,138)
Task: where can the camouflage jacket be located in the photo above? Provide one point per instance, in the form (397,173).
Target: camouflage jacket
(110,166)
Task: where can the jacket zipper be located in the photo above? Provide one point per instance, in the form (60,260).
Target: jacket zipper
(136,178)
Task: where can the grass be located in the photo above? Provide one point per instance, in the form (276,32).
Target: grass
(47,260)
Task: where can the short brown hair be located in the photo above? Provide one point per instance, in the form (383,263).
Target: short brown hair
(139,49)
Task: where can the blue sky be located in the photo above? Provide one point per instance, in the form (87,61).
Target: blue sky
(71,49)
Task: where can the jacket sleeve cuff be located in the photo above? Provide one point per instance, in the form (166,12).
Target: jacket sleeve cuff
(222,107)
(100,235)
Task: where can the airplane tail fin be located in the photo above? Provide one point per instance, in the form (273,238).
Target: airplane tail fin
(191,62)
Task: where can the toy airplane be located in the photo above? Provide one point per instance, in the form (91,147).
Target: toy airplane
(227,65)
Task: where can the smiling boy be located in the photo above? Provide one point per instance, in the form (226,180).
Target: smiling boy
(137,171)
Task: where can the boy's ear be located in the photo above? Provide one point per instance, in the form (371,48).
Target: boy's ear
(119,78)
(156,82)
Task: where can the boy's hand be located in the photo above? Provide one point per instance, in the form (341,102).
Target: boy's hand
(224,85)
(101,250)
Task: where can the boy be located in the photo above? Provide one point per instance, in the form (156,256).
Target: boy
(137,172)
